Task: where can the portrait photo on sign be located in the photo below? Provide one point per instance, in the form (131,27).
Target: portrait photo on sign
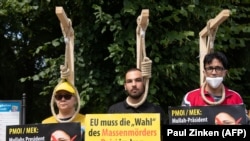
(208,115)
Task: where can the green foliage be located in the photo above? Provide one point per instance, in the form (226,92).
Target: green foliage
(105,47)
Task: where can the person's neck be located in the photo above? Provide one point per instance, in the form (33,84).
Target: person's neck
(133,100)
(214,91)
(65,114)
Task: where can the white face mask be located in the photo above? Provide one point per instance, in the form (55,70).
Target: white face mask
(214,81)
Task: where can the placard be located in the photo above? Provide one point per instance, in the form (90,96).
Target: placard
(10,114)
(122,127)
(44,132)
(208,115)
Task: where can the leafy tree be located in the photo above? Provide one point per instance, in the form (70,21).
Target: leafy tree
(105,47)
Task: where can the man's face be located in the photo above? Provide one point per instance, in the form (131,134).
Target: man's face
(214,69)
(134,84)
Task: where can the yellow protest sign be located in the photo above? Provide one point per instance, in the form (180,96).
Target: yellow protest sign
(123,127)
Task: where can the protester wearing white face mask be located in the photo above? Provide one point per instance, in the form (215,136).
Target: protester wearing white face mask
(213,91)
(214,82)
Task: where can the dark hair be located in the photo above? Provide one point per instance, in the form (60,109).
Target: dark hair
(129,70)
(216,55)
(133,69)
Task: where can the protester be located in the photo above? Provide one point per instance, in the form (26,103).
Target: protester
(213,91)
(135,88)
(67,101)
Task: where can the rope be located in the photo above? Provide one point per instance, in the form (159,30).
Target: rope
(211,37)
(67,69)
(143,62)
(210,102)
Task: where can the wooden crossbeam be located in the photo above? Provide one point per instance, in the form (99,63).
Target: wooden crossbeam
(221,17)
(62,16)
(144,18)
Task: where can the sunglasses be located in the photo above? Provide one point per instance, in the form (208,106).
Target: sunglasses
(65,96)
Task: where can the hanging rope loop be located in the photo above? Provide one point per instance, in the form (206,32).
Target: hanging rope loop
(142,61)
(146,66)
(211,102)
(66,70)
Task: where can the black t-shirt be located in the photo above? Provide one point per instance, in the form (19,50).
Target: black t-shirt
(146,107)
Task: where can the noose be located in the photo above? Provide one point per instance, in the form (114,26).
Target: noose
(210,48)
(143,62)
(66,70)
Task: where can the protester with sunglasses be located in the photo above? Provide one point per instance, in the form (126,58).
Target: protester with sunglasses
(213,91)
(66,99)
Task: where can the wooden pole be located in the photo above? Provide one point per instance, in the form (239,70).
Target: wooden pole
(141,27)
(214,23)
(69,40)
